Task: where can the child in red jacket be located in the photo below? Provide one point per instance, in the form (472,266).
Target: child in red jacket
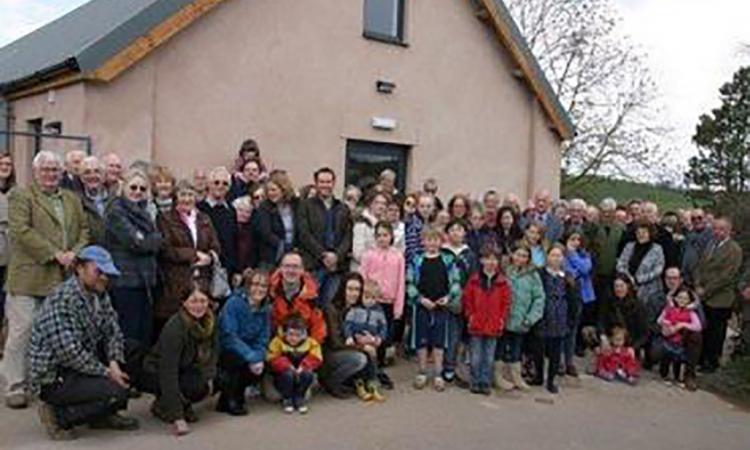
(486,301)
(293,358)
(618,361)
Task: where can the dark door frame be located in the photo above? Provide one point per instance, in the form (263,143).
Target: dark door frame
(394,150)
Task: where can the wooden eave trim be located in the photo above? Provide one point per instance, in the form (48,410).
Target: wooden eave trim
(55,83)
(506,38)
(144,45)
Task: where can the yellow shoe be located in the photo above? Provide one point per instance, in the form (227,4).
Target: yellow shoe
(375,394)
(362,391)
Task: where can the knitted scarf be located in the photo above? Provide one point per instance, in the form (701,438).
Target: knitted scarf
(202,331)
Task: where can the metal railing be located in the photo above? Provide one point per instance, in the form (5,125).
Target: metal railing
(86,140)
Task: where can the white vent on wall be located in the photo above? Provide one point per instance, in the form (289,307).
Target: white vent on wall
(384,123)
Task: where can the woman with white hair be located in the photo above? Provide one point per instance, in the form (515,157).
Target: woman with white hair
(133,240)
(246,253)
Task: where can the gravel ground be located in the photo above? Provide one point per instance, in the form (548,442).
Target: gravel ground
(587,414)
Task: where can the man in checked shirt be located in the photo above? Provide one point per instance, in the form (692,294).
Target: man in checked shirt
(76,354)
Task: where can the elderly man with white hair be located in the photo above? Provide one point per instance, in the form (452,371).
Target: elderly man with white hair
(113,170)
(94,197)
(697,241)
(387,181)
(542,213)
(606,245)
(71,177)
(222,215)
(47,228)
(578,220)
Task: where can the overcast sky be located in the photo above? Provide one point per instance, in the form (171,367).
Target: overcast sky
(693,47)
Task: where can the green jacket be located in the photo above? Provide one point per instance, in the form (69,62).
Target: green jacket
(717,273)
(95,220)
(527,304)
(179,353)
(604,247)
(36,235)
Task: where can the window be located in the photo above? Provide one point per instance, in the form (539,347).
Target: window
(53,128)
(35,126)
(384,20)
(366,160)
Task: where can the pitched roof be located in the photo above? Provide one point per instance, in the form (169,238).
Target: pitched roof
(81,40)
(105,37)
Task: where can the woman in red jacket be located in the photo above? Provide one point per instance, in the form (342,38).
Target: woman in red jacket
(486,302)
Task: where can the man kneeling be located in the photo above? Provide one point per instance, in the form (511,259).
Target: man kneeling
(77,350)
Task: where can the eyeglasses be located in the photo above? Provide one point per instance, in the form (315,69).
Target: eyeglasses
(136,188)
(221,183)
(257,284)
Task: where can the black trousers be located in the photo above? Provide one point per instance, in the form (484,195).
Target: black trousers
(234,377)
(134,313)
(714,335)
(78,399)
(693,344)
(389,339)
(551,347)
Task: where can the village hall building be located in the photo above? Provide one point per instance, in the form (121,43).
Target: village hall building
(431,88)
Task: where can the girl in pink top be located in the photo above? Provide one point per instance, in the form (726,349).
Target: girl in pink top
(385,264)
(678,319)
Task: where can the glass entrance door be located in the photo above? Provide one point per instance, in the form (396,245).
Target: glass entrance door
(365,160)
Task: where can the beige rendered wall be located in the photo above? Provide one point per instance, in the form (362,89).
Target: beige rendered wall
(66,105)
(300,78)
(545,173)
(120,115)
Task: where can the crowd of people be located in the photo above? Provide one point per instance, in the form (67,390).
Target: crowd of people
(123,282)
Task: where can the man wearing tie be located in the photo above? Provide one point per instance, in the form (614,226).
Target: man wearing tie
(715,280)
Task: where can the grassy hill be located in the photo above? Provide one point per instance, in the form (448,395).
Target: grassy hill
(597,188)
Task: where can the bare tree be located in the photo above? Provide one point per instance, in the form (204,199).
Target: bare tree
(601,80)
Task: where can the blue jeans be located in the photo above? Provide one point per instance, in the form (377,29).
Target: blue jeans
(509,347)
(328,284)
(454,330)
(482,359)
(293,386)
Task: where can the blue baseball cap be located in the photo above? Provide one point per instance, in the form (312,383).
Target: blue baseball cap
(101,258)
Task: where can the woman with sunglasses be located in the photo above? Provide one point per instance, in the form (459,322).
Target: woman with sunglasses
(244,333)
(134,242)
(190,246)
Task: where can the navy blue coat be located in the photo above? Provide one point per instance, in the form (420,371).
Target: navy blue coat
(134,242)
